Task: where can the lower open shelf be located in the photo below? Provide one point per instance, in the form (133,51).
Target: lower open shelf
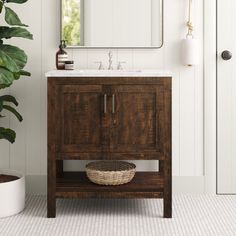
(143,185)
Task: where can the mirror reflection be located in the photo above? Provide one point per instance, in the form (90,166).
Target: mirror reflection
(112,23)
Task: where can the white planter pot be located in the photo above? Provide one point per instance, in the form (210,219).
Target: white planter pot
(12,194)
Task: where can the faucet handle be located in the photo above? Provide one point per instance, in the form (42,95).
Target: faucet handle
(101,67)
(119,66)
(110,54)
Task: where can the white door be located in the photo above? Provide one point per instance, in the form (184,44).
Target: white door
(226,97)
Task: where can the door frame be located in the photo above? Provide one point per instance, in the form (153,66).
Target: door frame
(210,96)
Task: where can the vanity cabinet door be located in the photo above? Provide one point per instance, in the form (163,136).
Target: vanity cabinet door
(82,119)
(137,118)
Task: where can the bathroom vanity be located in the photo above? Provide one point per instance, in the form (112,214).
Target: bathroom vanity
(109,115)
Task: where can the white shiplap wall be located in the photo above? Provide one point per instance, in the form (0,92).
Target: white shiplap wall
(28,154)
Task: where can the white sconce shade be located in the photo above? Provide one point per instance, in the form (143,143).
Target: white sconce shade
(190,51)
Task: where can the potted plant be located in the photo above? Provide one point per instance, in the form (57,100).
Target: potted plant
(12,62)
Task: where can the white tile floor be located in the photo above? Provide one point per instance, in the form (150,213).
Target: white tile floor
(201,215)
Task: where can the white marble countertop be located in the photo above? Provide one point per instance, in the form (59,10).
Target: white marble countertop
(108,73)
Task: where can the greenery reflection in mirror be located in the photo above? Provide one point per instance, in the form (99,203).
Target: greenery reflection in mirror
(71,21)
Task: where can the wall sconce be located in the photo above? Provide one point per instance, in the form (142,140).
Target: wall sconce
(190,45)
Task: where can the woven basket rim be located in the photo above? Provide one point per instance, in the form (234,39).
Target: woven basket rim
(94,166)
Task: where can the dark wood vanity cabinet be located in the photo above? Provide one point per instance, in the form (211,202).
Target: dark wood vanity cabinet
(113,119)
(80,126)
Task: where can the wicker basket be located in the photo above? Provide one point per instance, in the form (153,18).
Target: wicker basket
(110,172)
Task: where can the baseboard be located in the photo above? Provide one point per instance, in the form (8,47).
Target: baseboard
(37,184)
(188,184)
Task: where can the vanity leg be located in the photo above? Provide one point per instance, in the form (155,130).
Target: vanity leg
(167,163)
(52,148)
(51,184)
(51,198)
(167,190)
(167,206)
(51,188)
(51,207)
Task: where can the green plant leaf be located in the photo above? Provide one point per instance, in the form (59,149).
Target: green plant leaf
(25,73)
(9,32)
(17,1)
(8,98)
(7,134)
(1,105)
(1,6)
(14,111)
(12,58)
(22,72)
(6,78)
(12,18)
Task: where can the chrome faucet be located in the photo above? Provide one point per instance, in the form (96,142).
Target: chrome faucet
(120,67)
(100,67)
(110,56)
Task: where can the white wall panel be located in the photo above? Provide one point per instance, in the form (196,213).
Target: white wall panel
(5,149)
(25,154)
(113,26)
(172,34)
(199,88)
(4,145)
(187,119)
(226,112)
(29,152)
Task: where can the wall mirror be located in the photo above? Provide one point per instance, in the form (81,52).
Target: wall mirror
(112,23)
